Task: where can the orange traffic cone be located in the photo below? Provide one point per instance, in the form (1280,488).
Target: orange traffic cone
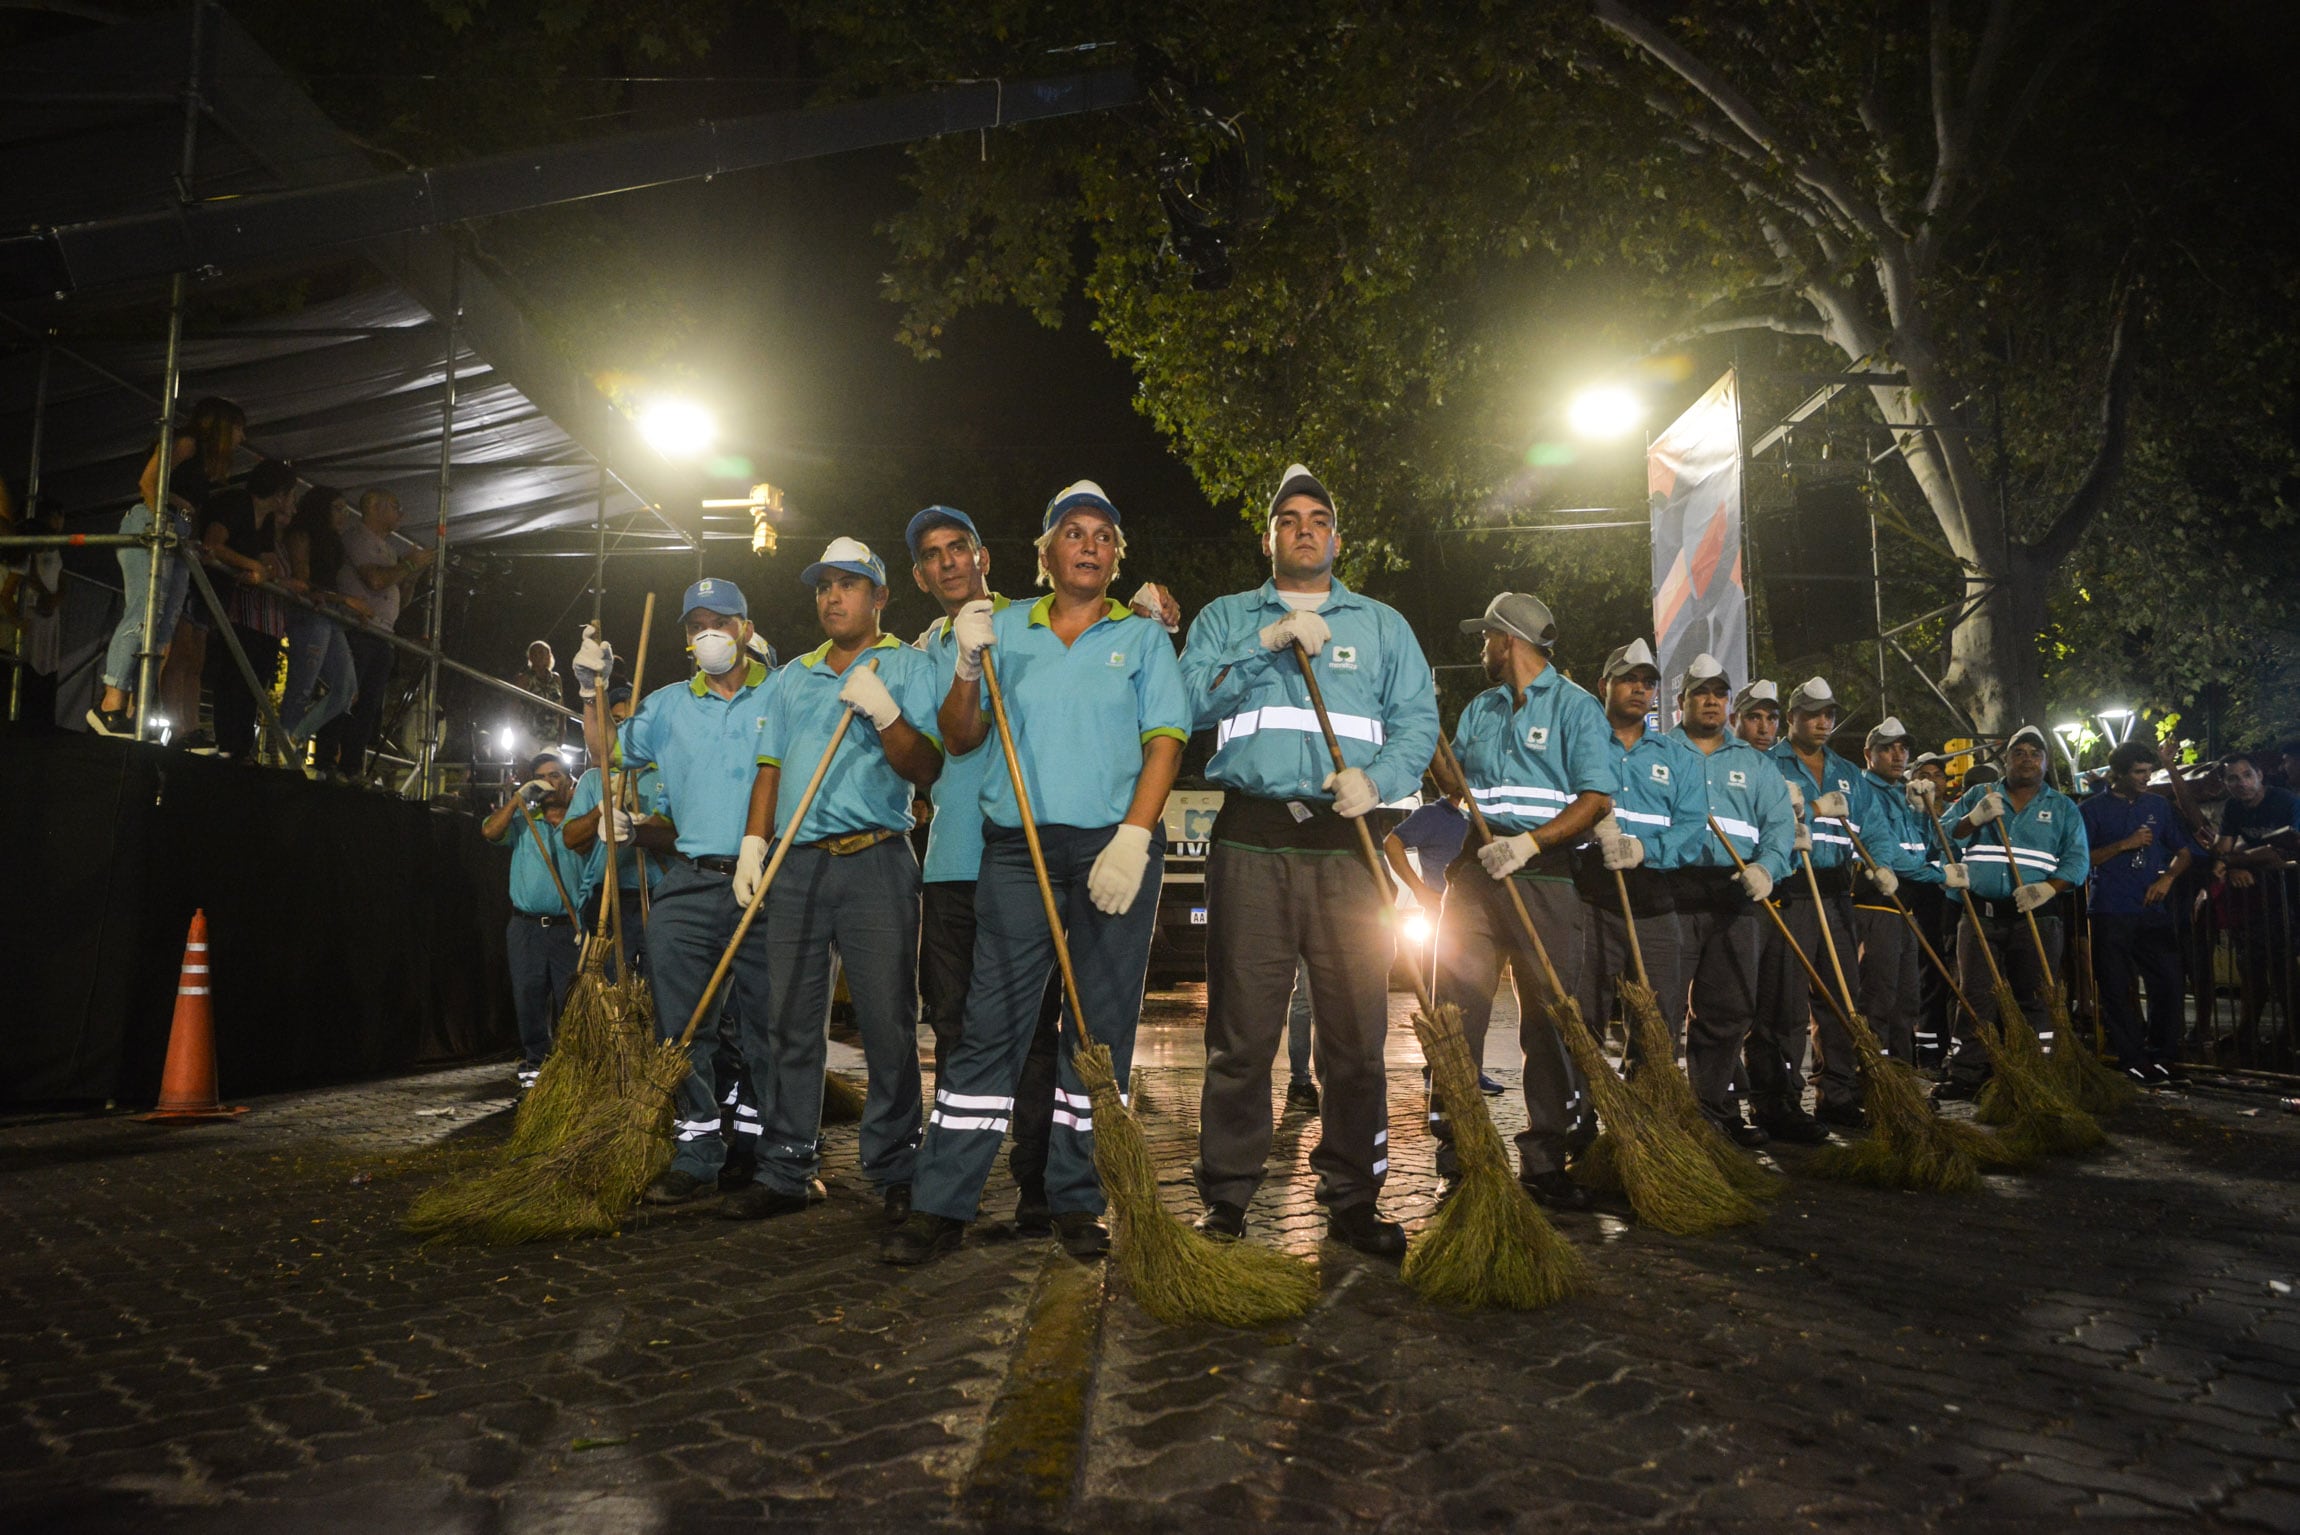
(188,1084)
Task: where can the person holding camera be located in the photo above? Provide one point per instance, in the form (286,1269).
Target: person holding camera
(539,944)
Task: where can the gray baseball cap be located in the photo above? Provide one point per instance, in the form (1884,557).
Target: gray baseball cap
(1627,658)
(1518,613)
(1762,691)
(1888,729)
(1704,668)
(1811,697)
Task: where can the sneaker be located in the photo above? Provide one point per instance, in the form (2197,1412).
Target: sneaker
(920,1238)
(1362,1227)
(2138,1076)
(1222,1222)
(1032,1218)
(1302,1095)
(524,1077)
(737,1173)
(675,1187)
(1747,1136)
(113,722)
(897,1203)
(1082,1234)
(757,1202)
(1556,1191)
(1489,1086)
(2158,1075)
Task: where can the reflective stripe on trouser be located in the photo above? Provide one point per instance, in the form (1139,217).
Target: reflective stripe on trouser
(1605,957)
(2016,952)
(1013,952)
(1720,949)
(1889,983)
(1477,928)
(1269,914)
(1788,1014)
(945,975)
(866,904)
(692,917)
(542,963)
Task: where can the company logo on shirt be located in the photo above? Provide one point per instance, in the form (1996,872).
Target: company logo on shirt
(1118,658)
(1661,772)
(1345,657)
(1844,787)
(1537,737)
(1736,779)
(2044,815)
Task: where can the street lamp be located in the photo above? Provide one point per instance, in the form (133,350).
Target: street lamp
(2070,734)
(678,428)
(1606,411)
(2118,725)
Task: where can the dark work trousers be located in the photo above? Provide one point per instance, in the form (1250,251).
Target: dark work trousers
(1788,1013)
(343,741)
(235,705)
(541,952)
(945,973)
(2141,947)
(634,929)
(2016,953)
(1605,958)
(1268,915)
(693,917)
(1718,947)
(974,1099)
(865,904)
(1889,981)
(1478,928)
(1929,905)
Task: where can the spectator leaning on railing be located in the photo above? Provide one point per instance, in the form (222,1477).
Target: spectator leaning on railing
(242,537)
(375,575)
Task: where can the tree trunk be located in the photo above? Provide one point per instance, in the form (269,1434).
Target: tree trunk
(1994,671)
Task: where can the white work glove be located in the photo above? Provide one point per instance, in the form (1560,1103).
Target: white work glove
(1796,798)
(533,791)
(594,659)
(1504,856)
(1923,792)
(1301,626)
(1354,793)
(2030,897)
(750,868)
(970,627)
(867,696)
(1754,882)
(1116,878)
(1991,808)
(1831,804)
(1616,847)
(1886,879)
(619,823)
(1804,838)
(1956,876)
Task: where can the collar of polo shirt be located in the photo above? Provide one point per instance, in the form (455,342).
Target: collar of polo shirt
(699,685)
(814,656)
(1041,611)
(1267,594)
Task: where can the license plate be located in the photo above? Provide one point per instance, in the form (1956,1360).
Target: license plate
(1197,916)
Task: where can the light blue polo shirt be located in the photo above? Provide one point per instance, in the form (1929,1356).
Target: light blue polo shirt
(586,800)
(1750,801)
(1832,842)
(1527,762)
(1375,680)
(531,889)
(954,836)
(1661,799)
(862,791)
(707,751)
(1899,833)
(2047,836)
(1081,713)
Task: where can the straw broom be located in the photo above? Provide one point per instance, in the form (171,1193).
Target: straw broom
(2038,1118)
(2080,1073)
(588,1183)
(1671,1180)
(1908,1146)
(1488,1245)
(1176,1274)
(1660,1083)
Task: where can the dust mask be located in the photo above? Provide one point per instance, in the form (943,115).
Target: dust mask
(716,652)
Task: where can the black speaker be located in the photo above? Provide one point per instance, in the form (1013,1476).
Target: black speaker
(1813,561)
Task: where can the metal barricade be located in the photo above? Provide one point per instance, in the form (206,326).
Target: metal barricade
(2242,951)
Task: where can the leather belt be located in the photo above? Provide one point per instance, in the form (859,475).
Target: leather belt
(849,843)
(555,919)
(714,864)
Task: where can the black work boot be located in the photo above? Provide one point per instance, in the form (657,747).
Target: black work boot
(920,1238)
(675,1187)
(1223,1221)
(1081,1234)
(1032,1217)
(897,1203)
(1362,1227)
(1556,1191)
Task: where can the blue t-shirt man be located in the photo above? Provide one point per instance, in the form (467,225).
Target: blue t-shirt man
(1434,834)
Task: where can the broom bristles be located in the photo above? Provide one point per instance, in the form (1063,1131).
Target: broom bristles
(1176,1274)
(1662,1086)
(2038,1118)
(2082,1075)
(1908,1146)
(843,1100)
(1488,1245)
(1670,1179)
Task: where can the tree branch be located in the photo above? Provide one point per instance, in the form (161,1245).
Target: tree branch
(1726,325)
(2093,491)
(1954,120)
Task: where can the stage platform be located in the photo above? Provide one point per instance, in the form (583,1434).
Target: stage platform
(351,934)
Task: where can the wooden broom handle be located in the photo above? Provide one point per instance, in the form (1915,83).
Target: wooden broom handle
(1516,898)
(1915,931)
(1782,928)
(612,896)
(1037,853)
(1949,851)
(549,867)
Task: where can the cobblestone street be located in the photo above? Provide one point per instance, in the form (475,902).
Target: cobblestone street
(223,1329)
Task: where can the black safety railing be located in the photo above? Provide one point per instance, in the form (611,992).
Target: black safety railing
(2242,943)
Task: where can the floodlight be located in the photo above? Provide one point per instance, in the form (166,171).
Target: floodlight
(507,738)
(678,428)
(1607,411)
(1417,928)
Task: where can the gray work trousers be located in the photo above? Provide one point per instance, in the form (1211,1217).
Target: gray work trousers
(865,904)
(691,920)
(2016,954)
(1788,1015)
(1890,985)
(1605,957)
(1719,951)
(1478,928)
(1267,914)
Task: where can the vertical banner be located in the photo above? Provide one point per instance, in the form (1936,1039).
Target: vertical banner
(1693,488)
